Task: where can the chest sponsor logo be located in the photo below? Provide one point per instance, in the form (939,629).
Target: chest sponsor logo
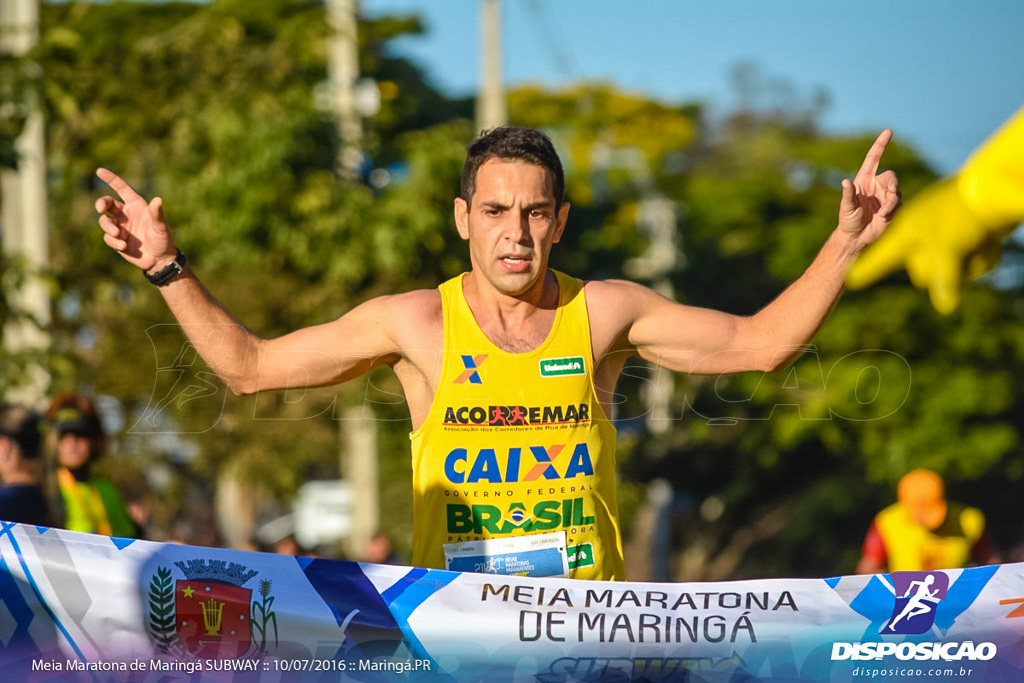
(556,462)
(546,515)
(471,373)
(511,416)
(581,555)
(560,367)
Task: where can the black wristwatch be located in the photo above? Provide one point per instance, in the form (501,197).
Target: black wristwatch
(168,272)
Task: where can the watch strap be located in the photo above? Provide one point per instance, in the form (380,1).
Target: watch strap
(168,272)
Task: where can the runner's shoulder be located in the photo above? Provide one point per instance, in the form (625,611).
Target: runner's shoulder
(616,297)
(405,302)
(411,311)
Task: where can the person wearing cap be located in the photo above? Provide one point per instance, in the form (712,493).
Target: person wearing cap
(91,504)
(21,497)
(923,531)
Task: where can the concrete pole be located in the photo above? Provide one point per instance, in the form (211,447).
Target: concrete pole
(358,428)
(236,502)
(24,224)
(658,220)
(359,469)
(491,108)
(343,67)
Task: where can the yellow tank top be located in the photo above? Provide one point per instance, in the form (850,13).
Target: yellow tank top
(912,547)
(516,445)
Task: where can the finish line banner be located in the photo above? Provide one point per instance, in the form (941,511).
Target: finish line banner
(81,607)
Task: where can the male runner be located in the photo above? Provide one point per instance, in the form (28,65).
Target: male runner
(509,369)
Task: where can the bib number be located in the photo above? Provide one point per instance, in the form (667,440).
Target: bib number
(531,555)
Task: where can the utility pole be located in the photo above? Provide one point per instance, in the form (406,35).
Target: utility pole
(359,469)
(24,225)
(358,427)
(491,108)
(343,67)
(657,219)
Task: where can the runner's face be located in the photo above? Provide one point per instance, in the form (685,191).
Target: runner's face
(73,450)
(511,224)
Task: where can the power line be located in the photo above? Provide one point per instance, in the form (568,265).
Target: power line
(554,37)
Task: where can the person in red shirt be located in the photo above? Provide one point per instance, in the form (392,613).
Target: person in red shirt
(922,531)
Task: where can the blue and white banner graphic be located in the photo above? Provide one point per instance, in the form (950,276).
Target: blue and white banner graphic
(80,607)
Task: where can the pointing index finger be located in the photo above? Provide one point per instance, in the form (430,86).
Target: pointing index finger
(874,155)
(118,184)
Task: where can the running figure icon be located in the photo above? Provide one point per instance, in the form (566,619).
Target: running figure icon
(920,596)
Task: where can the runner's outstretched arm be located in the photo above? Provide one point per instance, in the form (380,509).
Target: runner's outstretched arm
(137,229)
(703,341)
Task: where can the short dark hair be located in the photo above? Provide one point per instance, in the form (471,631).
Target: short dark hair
(512,143)
(21,425)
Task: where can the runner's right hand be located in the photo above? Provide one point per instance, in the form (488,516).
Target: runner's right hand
(133,227)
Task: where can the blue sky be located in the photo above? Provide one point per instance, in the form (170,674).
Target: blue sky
(943,74)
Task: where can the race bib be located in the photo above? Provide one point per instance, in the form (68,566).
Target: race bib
(531,555)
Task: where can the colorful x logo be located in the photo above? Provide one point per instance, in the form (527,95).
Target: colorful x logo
(544,457)
(470,374)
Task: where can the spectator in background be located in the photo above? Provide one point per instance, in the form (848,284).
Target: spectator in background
(922,531)
(379,550)
(21,496)
(90,504)
(288,545)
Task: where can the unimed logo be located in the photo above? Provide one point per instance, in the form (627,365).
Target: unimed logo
(559,367)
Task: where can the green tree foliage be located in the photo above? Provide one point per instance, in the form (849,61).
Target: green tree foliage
(214,108)
(19,83)
(888,384)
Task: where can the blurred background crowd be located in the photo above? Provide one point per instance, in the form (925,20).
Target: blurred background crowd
(307,166)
